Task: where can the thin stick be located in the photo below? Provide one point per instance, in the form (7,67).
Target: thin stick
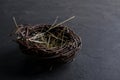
(36,41)
(15,22)
(54,36)
(61,23)
(55,21)
(48,43)
(27,31)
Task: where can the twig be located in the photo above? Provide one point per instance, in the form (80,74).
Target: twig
(48,43)
(15,22)
(33,39)
(36,41)
(60,23)
(54,36)
(38,35)
(55,21)
(27,31)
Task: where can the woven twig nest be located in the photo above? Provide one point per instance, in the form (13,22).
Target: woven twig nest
(63,51)
(47,42)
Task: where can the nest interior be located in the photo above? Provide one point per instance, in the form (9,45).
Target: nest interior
(47,42)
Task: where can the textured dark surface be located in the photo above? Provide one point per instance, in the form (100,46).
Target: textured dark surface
(97,22)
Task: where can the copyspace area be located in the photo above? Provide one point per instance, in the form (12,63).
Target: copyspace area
(97,22)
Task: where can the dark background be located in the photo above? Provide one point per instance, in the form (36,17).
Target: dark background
(97,22)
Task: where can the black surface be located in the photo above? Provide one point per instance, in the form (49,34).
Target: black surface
(97,22)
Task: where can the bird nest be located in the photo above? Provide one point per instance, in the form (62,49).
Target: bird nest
(56,43)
